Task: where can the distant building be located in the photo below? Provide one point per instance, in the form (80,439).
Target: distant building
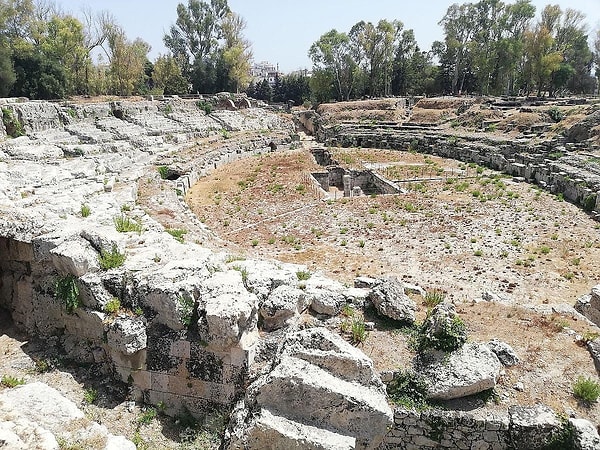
(264,70)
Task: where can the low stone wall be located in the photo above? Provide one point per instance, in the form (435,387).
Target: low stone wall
(520,427)
(568,175)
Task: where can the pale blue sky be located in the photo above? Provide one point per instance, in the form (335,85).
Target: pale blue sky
(282,31)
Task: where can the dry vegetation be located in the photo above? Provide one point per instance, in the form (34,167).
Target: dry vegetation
(472,231)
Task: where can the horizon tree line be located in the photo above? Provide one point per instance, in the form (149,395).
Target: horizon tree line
(490,47)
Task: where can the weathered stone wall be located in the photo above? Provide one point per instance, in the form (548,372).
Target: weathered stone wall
(520,427)
(569,175)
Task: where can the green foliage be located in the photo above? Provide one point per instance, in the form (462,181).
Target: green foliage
(433,298)
(448,337)
(185,305)
(207,107)
(90,395)
(112,306)
(589,203)
(124,224)
(555,114)
(111,259)
(66,290)
(586,389)
(303,275)
(163,172)
(10,381)
(408,389)
(177,233)
(85,210)
(358,331)
(12,124)
(147,416)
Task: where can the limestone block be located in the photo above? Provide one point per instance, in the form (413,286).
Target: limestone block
(390,300)
(532,426)
(282,306)
(325,301)
(504,352)
(330,352)
(262,277)
(586,434)
(49,410)
(75,257)
(229,317)
(467,371)
(305,393)
(278,433)
(92,292)
(19,433)
(127,334)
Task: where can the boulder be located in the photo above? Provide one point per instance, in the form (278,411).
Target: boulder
(504,352)
(279,433)
(390,300)
(75,257)
(282,306)
(585,434)
(472,369)
(127,335)
(589,305)
(324,301)
(40,414)
(319,392)
(303,392)
(533,426)
(330,352)
(442,329)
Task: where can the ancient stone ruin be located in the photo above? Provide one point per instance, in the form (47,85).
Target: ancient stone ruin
(87,264)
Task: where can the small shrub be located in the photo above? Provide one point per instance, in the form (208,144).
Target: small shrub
(124,224)
(254,242)
(85,210)
(147,416)
(555,114)
(544,249)
(205,106)
(14,128)
(163,172)
(586,389)
(448,337)
(112,306)
(111,259)
(90,395)
(66,290)
(478,253)
(303,275)
(358,331)
(177,233)
(11,382)
(186,309)
(433,298)
(408,389)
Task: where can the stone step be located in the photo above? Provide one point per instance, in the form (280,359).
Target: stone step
(303,392)
(279,433)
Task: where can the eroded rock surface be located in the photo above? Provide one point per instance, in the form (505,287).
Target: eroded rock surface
(36,415)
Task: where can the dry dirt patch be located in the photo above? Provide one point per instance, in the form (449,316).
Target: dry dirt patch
(471,231)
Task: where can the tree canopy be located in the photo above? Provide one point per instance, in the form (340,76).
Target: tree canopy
(489,47)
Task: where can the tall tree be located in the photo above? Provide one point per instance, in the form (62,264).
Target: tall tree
(193,39)
(127,60)
(374,48)
(237,52)
(332,54)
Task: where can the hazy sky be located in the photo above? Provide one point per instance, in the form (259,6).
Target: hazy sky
(282,31)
